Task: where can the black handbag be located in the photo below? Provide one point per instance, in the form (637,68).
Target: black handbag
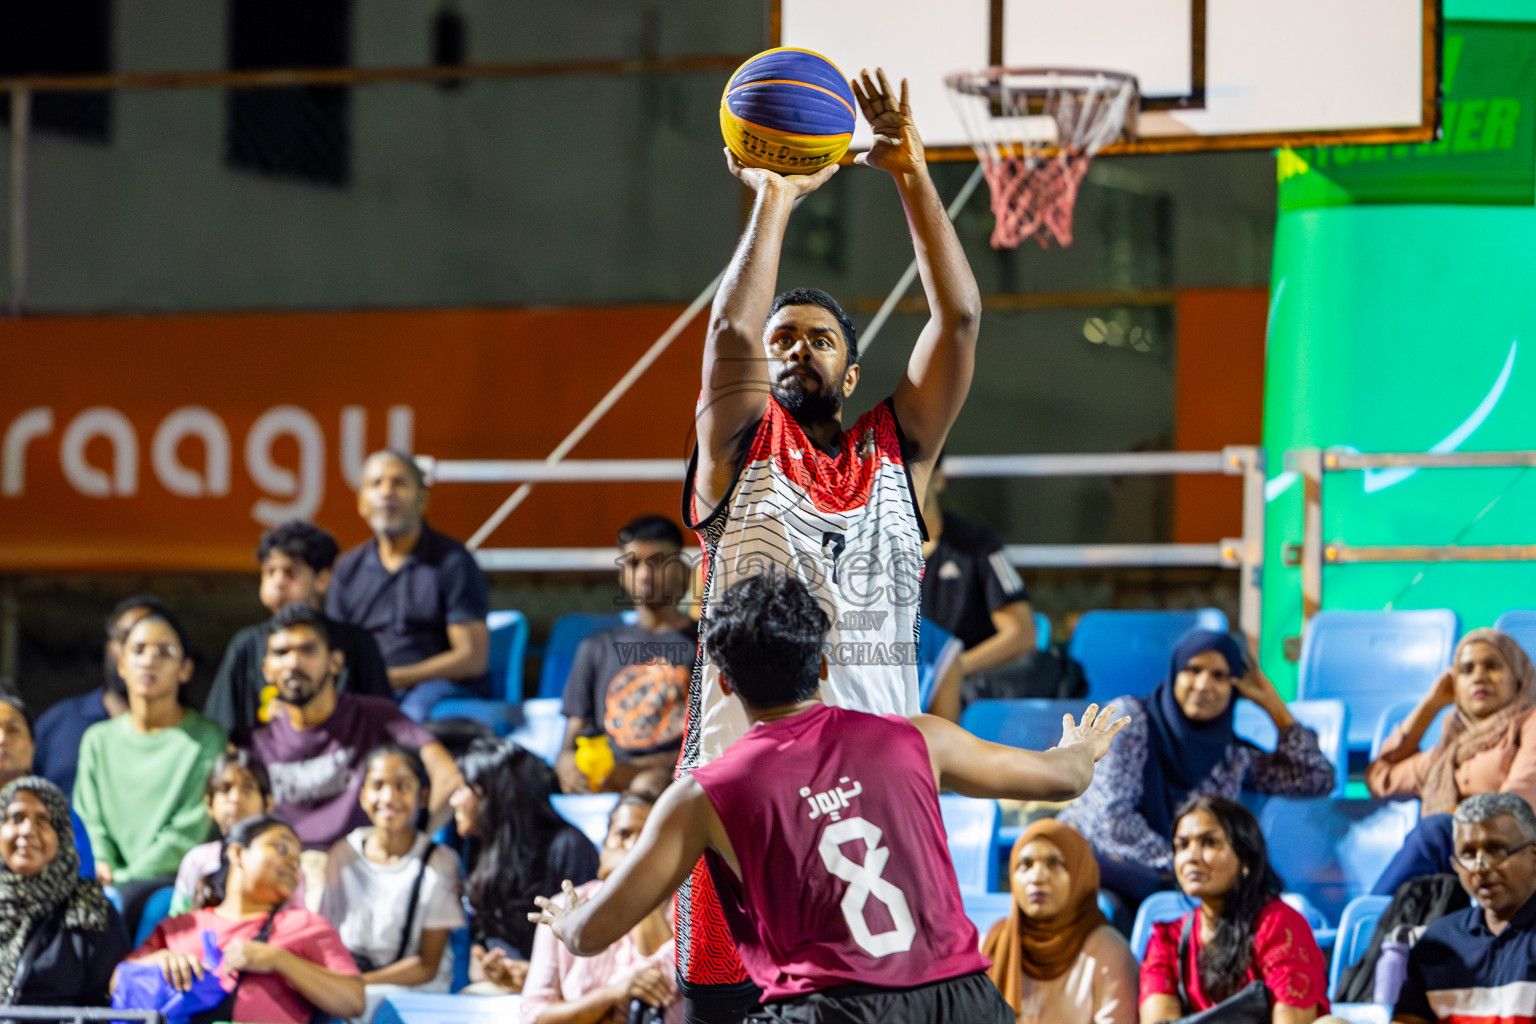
(1248,1005)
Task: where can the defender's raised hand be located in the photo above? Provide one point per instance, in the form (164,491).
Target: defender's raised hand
(1097,728)
(554,914)
(898,149)
(760,178)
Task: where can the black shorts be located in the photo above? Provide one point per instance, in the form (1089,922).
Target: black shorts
(968,999)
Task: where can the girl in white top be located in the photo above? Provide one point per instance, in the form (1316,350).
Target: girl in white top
(390,892)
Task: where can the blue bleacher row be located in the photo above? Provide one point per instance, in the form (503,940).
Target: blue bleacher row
(1360,674)
(1377,662)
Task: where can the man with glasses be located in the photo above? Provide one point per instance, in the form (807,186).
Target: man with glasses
(1479,964)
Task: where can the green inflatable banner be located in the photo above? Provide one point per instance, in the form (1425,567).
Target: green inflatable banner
(1403,319)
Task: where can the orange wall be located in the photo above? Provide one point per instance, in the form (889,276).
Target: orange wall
(478,384)
(1219,401)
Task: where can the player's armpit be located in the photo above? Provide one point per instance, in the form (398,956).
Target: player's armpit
(673,840)
(974,767)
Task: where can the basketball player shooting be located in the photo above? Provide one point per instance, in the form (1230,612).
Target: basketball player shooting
(822,833)
(776,482)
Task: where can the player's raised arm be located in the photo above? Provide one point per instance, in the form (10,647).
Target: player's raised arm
(674,838)
(939,371)
(735,381)
(974,767)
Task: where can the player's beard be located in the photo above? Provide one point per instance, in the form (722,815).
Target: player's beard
(806,405)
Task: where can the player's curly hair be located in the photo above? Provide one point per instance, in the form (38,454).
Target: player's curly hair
(766,634)
(817,297)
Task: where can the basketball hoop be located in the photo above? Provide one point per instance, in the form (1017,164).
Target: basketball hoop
(1035,131)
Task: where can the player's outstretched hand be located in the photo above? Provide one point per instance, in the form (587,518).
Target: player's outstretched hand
(1096,729)
(898,149)
(554,913)
(760,178)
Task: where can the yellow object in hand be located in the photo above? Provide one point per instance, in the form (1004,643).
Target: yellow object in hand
(594,758)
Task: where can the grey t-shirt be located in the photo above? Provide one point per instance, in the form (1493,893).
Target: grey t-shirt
(632,685)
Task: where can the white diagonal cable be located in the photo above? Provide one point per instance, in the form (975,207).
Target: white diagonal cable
(601,408)
(889,305)
(661,344)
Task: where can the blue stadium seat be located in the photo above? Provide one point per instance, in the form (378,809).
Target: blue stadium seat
(588,812)
(1042,631)
(1125,652)
(443,1008)
(1520,623)
(509,646)
(971,825)
(565,636)
(934,644)
(986,908)
(1395,713)
(1373,659)
(1332,850)
(1363,1013)
(1031,724)
(504,665)
(1168,905)
(1323,931)
(458,945)
(543,728)
(156,909)
(502,718)
(83,846)
(1328,718)
(1356,926)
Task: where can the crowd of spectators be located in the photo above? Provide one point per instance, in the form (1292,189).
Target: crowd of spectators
(296,816)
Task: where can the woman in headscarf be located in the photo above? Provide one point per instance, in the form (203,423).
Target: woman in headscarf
(1488,745)
(1180,743)
(60,939)
(1055,957)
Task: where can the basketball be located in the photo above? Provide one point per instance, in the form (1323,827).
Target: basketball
(787,110)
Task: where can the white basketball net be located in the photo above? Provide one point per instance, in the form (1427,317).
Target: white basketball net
(1035,133)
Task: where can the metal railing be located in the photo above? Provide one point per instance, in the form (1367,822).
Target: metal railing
(1313,553)
(1244,553)
(79,1014)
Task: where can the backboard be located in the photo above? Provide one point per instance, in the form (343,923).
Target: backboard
(1213,74)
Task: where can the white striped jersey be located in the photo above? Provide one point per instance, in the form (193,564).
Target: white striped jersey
(848,525)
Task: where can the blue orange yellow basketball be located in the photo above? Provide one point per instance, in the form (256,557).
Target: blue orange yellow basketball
(788,110)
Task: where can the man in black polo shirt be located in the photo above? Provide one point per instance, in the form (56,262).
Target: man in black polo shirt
(296,559)
(418,591)
(1479,965)
(970,589)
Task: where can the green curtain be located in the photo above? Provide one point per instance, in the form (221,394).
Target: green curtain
(1403,318)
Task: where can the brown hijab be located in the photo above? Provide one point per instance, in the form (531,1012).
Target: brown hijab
(1462,740)
(1020,945)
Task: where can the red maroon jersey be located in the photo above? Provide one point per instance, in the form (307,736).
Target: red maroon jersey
(845,871)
